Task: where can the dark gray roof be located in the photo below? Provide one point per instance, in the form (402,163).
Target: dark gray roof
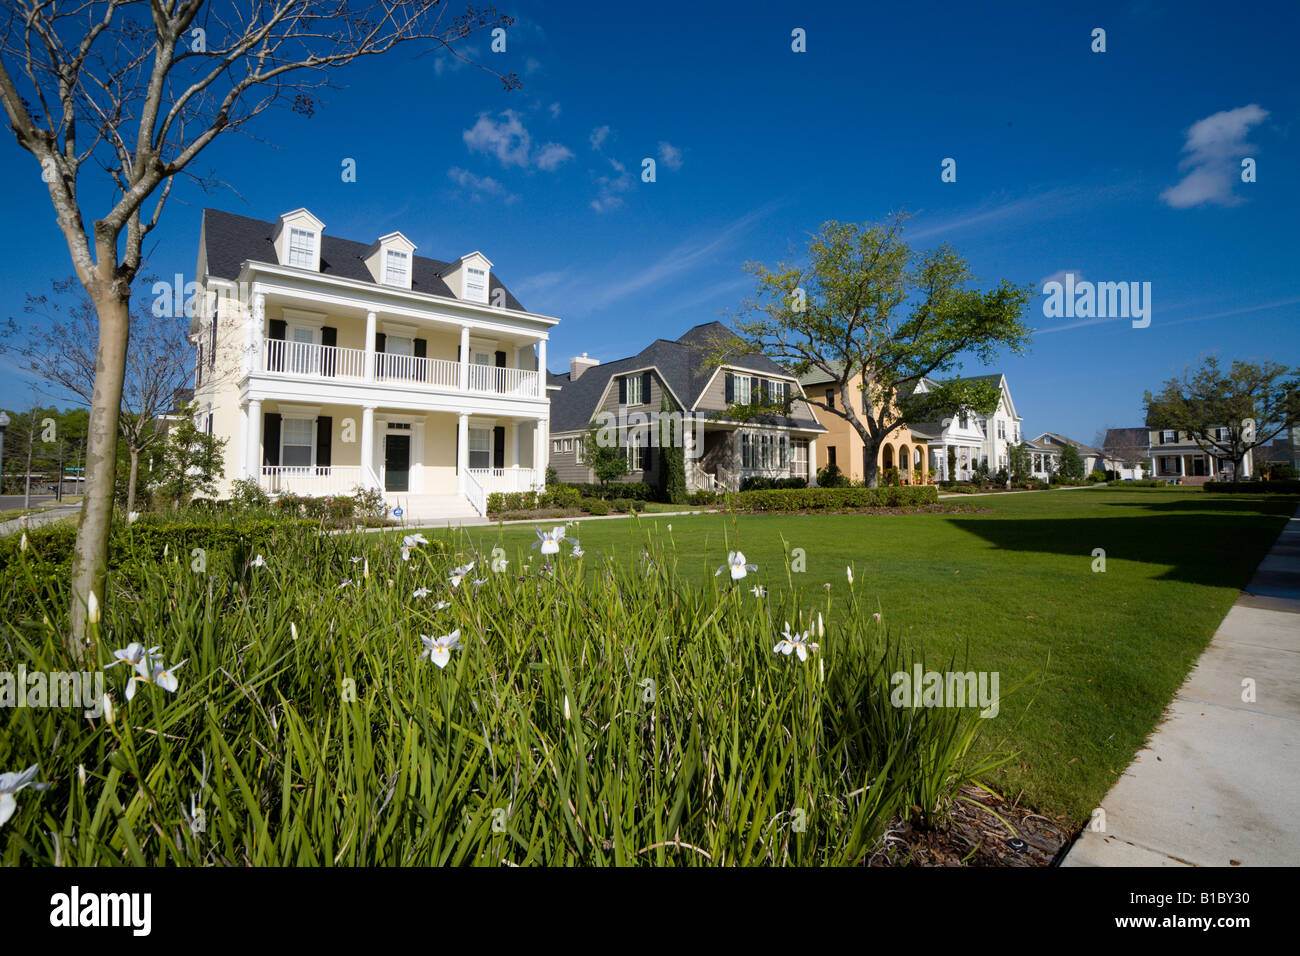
(681,364)
(231,239)
(1118,439)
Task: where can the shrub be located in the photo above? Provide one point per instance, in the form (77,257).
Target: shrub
(832,477)
(561,496)
(833,499)
(595,506)
(248,493)
(496,503)
(704,497)
(1254,487)
(622,505)
(760,483)
(1097,476)
(617,489)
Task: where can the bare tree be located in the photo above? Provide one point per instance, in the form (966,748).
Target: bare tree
(134,91)
(59,346)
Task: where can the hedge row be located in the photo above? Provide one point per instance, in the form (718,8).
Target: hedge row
(639,490)
(833,499)
(54,542)
(1255,487)
(559,496)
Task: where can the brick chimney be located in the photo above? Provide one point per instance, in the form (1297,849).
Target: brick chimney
(579,364)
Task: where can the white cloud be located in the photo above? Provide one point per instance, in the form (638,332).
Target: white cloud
(479,186)
(598,137)
(1215,146)
(609,189)
(446,62)
(1059,276)
(506,139)
(555,110)
(552,155)
(670,155)
(509,141)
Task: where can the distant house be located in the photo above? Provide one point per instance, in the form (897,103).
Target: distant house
(1130,450)
(1094,459)
(1280,451)
(679,376)
(1044,458)
(843,447)
(1179,456)
(971,437)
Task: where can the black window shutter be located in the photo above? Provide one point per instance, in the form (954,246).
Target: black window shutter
(501,359)
(500,375)
(380,339)
(645,386)
(276,354)
(212,359)
(329,338)
(421,351)
(622,390)
(324,431)
(756,391)
(458,445)
(647,458)
(271,438)
(499,446)
(765,390)
(730,388)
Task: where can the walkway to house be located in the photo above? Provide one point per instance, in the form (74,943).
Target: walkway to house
(1216,784)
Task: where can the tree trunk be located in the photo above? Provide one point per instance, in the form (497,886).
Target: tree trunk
(870,463)
(130,482)
(90,555)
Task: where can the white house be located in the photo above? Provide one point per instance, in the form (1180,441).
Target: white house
(973,437)
(331,364)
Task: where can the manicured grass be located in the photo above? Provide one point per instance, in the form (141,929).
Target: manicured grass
(1011,589)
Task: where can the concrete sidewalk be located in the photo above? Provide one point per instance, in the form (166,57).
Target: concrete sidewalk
(1217,783)
(28,522)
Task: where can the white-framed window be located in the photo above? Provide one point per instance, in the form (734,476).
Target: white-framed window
(480,448)
(568,445)
(777,392)
(1168,437)
(557,447)
(799,454)
(634,390)
(396,267)
(965,419)
(476,284)
(1002,430)
(746,450)
(635,452)
(297,441)
(577,449)
(742,389)
(302,247)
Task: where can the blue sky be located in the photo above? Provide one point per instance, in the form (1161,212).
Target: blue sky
(1116,166)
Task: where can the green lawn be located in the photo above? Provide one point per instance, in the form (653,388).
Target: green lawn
(1011,589)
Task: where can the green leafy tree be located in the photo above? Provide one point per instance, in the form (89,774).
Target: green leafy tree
(114,100)
(672,455)
(1228,413)
(604,453)
(1021,461)
(192,461)
(866,303)
(1071,463)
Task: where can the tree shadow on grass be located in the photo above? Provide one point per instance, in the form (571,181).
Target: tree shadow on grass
(1216,542)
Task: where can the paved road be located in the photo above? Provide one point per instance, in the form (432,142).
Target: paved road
(10,502)
(1217,781)
(36,520)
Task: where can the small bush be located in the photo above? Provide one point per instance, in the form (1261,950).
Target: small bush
(760,483)
(595,506)
(704,497)
(832,477)
(833,499)
(1098,475)
(622,505)
(1254,487)
(617,489)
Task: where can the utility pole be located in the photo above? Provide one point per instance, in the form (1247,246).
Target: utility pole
(31,441)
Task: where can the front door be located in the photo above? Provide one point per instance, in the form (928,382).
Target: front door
(397,462)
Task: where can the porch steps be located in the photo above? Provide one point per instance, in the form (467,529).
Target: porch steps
(433,509)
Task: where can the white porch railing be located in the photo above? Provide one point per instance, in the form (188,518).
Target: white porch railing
(286,357)
(475,493)
(505,479)
(317,361)
(520,382)
(312,480)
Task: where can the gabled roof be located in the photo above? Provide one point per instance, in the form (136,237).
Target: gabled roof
(680,363)
(1058,439)
(1121,439)
(230,240)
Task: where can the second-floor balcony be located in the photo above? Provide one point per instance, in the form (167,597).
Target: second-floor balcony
(330,363)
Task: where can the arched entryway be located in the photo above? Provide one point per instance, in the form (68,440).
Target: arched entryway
(887,457)
(904,461)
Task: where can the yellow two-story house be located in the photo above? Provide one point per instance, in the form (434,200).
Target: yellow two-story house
(331,364)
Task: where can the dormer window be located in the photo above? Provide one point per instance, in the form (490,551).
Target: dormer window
(397,268)
(302,248)
(476,286)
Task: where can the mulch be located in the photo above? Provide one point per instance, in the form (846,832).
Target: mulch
(973,835)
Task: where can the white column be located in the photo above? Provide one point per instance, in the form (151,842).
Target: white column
(253,447)
(462,443)
(541,369)
(371,323)
(544,433)
(368,445)
(1182,466)
(244,471)
(254,332)
(812,462)
(464,357)
(417,453)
